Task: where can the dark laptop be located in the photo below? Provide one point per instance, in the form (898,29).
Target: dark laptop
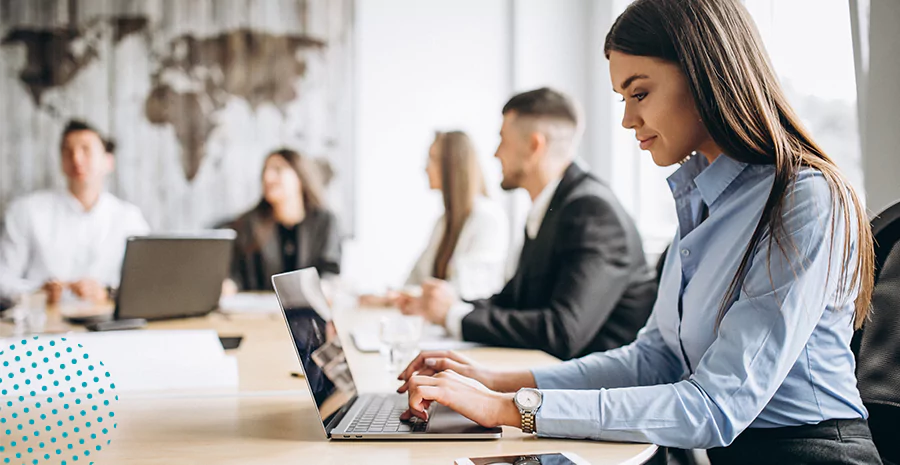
(345,414)
(169,276)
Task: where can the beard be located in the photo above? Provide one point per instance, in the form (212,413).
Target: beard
(513,181)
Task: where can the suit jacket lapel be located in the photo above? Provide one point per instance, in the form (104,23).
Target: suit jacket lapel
(571,178)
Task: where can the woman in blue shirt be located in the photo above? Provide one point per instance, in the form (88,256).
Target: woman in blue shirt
(747,351)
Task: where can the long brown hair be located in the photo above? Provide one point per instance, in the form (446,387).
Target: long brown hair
(741,103)
(461,181)
(310,181)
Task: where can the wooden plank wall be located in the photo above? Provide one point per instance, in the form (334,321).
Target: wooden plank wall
(111,91)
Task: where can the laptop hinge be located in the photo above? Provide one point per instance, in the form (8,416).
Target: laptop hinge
(335,419)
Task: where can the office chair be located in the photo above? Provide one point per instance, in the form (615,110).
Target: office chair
(661,263)
(877,344)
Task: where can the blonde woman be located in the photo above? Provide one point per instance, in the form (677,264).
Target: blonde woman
(468,246)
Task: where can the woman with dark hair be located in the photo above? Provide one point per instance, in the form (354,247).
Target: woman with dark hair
(290,228)
(747,352)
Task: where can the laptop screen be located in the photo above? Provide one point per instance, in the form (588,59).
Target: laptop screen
(308,318)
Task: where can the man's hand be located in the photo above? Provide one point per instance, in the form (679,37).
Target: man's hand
(437,298)
(90,290)
(54,291)
(464,395)
(229,287)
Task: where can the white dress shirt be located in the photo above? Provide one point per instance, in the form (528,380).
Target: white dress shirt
(48,235)
(453,321)
(476,268)
(539,209)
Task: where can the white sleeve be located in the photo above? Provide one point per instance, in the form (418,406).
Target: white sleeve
(15,248)
(453,320)
(479,260)
(138,224)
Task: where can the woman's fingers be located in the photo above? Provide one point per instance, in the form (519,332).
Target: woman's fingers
(442,364)
(418,363)
(420,399)
(407,415)
(405,386)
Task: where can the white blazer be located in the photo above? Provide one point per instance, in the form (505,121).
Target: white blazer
(477,266)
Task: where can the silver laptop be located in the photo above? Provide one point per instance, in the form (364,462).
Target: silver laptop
(344,413)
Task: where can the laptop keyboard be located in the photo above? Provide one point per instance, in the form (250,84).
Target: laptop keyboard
(381,414)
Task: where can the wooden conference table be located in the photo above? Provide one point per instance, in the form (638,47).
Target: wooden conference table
(271,418)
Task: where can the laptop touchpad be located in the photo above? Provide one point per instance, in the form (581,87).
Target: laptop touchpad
(445,421)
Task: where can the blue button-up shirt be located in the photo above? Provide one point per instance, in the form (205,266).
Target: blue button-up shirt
(781,356)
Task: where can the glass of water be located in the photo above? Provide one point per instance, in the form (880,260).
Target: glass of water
(400,335)
(30,314)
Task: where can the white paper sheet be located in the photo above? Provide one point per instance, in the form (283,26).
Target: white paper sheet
(250,302)
(154,360)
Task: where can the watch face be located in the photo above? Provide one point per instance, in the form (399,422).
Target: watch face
(528,398)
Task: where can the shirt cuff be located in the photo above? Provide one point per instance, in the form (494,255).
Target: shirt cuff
(453,321)
(569,414)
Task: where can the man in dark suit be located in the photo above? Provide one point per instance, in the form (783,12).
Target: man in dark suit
(582,283)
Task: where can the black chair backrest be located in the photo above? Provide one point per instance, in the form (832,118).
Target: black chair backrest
(878,343)
(661,263)
(886,229)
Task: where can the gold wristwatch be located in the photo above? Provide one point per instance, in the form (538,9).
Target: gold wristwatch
(529,401)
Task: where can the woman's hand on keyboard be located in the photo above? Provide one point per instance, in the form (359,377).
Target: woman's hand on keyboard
(464,395)
(431,363)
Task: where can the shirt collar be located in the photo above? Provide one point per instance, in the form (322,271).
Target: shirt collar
(711,179)
(71,202)
(539,208)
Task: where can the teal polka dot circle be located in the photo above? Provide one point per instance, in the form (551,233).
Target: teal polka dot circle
(56,402)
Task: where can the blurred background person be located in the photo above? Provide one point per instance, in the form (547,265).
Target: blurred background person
(74,238)
(469,243)
(290,228)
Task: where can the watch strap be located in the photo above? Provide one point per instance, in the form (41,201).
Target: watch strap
(528,421)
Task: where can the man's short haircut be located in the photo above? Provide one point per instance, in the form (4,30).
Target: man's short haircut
(76,125)
(110,146)
(543,103)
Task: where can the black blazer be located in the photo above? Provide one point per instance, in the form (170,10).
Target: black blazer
(581,286)
(257,249)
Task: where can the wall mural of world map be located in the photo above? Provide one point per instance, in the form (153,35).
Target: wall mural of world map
(176,83)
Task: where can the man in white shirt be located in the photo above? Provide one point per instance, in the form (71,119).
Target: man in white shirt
(74,238)
(582,284)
